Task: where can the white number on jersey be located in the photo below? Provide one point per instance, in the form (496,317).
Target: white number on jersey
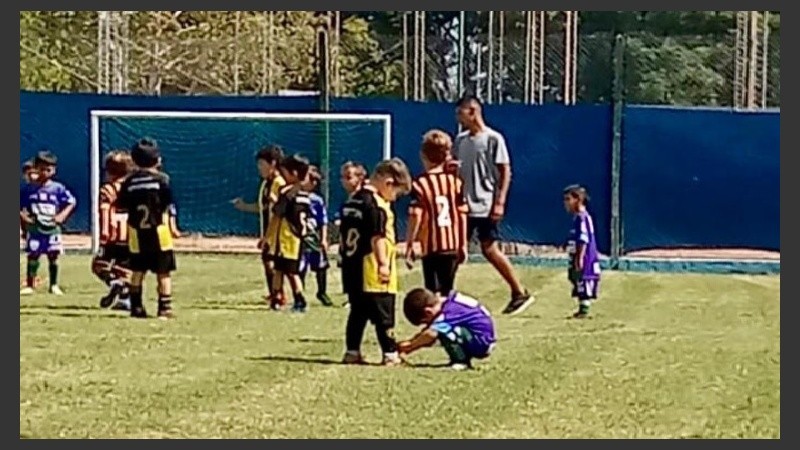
(443,219)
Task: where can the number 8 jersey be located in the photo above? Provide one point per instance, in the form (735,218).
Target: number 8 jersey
(366,215)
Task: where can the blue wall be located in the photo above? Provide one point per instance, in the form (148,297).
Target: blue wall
(698,177)
(689,177)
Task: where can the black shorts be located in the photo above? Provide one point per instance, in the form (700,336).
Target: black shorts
(159,261)
(486,228)
(377,307)
(439,272)
(287,266)
(117,254)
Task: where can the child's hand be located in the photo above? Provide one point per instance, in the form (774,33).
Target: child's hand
(410,256)
(261,244)
(403,347)
(462,255)
(238,203)
(384,274)
(59,219)
(175,233)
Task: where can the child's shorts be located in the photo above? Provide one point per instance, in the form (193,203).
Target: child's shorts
(314,261)
(585,289)
(460,344)
(40,244)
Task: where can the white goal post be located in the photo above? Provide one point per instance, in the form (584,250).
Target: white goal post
(96,116)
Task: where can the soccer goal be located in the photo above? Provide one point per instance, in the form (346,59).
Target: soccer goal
(210,156)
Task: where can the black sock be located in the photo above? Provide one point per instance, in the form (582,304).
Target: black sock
(354,331)
(164,302)
(136,297)
(322,282)
(386,339)
(268,274)
(299,299)
(53,269)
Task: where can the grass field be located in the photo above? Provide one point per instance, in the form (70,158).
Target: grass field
(664,356)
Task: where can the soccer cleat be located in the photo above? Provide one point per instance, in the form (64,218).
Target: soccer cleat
(138,312)
(353,358)
(166,314)
(299,307)
(580,315)
(108,299)
(519,303)
(27,290)
(325,300)
(459,366)
(121,305)
(392,361)
(55,290)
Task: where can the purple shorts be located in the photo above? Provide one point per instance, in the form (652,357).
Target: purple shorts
(586,289)
(40,244)
(314,261)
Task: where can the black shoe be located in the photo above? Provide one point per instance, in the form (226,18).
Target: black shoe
(519,303)
(299,307)
(108,299)
(138,312)
(121,305)
(325,300)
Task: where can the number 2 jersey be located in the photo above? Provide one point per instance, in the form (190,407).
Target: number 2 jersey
(146,196)
(437,198)
(366,215)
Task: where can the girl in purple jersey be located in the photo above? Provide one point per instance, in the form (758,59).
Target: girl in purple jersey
(460,323)
(584,266)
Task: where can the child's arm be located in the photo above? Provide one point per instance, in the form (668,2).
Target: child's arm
(424,338)
(105,213)
(243,206)
(414,222)
(324,237)
(580,251)
(380,247)
(25,216)
(69,200)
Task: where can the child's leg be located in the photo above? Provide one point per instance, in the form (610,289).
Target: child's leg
(52,260)
(322,282)
(356,324)
(32,269)
(453,340)
(297,291)
(276,290)
(446,273)
(586,291)
(164,294)
(269,272)
(137,307)
(383,317)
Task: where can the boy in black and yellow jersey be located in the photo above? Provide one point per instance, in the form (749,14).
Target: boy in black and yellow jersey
(268,163)
(287,228)
(369,266)
(147,198)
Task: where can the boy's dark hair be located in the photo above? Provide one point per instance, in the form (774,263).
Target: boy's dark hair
(396,169)
(436,146)
(314,175)
(145,153)
(577,191)
(270,154)
(118,163)
(45,158)
(296,164)
(27,165)
(469,100)
(415,303)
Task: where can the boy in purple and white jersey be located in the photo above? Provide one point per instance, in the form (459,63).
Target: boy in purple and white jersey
(584,268)
(459,322)
(44,206)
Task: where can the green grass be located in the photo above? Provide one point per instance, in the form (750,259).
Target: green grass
(664,356)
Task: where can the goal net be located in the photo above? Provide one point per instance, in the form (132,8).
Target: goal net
(210,157)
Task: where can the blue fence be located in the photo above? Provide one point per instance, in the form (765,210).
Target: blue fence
(689,177)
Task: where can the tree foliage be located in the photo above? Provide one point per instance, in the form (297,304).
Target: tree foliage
(673,57)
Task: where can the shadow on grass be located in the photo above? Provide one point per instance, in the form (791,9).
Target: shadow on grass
(58,307)
(329,361)
(313,340)
(295,359)
(72,314)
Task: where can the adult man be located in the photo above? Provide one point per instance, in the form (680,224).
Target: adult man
(485,168)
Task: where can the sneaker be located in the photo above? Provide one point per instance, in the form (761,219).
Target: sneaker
(139,312)
(325,300)
(519,303)
(108,299)
(27,290)
(459,366)
(123,304)
(299,307)
(166,313)
(580,315)
(392,361)
(55,290)
(353,358)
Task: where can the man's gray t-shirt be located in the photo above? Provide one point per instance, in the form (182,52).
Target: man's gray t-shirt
(479,155)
